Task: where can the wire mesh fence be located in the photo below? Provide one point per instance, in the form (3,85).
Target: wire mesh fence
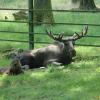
(31,24)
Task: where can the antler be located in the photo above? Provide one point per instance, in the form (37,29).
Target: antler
(59,38)
(77,36)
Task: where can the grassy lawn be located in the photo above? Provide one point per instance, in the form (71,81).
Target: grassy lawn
(78,81)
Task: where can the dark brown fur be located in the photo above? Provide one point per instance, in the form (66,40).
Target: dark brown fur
(14,69)
(57,52)
(61,51)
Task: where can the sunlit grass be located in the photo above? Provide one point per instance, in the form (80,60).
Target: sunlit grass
(57,85)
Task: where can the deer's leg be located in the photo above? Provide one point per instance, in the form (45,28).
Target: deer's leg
(56,63)
(52,62)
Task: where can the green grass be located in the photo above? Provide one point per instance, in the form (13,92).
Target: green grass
(78,81)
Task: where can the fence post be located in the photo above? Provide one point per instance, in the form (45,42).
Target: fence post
(31,25)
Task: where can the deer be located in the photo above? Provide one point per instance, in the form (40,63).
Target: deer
(61,52)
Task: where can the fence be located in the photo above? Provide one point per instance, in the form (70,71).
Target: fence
(31,24)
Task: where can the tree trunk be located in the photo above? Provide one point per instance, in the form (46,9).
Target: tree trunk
(43,16)
(87,4)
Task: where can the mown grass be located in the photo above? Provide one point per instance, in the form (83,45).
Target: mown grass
(78,81)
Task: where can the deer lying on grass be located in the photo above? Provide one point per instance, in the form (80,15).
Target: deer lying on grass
(60,52)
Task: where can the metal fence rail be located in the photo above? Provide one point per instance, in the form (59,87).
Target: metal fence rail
(60,23)
(91,11)
(31,32)
(39,33)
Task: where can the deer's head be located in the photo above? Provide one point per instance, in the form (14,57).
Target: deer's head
(69,41)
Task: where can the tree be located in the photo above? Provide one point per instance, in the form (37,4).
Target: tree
(43,16)
(84,4)
(87,4)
